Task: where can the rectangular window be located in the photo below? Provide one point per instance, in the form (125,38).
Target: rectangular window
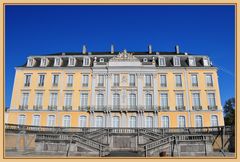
(66,121)
(206,62)
(209,80)
(132,80)
(196,101)
(36,120)
(44,62)
(25,97)
(194,79)
(86,61)
(148,101)
(21,119)
(165,121)
(132,101)
(162,61)
(57,62)
(69,80)
(179,101)
(101,80)
(198,121)
(100,100)
(53,99)
(71,62)
(51,120)
(181,122)
(39,99)
(192,61)
(148,80)
(211,100)
(178,80)
(164,101)
(27,80)
(214,120)
(116,101)
(84,100)
(116,80)
(55,79)
(68,100)
(163,80)
(176,61)
(85,81)
(41,80)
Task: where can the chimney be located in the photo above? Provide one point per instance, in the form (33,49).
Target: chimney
(149,49)
(84,50)
(112,49)
(177,49)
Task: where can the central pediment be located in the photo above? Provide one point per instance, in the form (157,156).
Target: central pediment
(124,59)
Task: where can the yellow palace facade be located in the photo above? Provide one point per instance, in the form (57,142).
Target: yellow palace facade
(117,89)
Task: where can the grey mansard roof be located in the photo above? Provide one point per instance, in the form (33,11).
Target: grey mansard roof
(108,55)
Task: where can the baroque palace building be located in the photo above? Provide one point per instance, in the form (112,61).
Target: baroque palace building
(117,89)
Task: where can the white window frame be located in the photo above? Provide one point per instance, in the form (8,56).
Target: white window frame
(163,77)
(196,99)
(68,99)
(191,61)
(21,119)
(176,61)
(100,100)
(164,99)
(84,100)
(99,121)
(85,80)
(180,117)
(82,121)
(116,122)
(132,100)
(116,79)
(25,99)
(70,79)
(39,99)
(55,79)
(193,77)
(133,122)
(31,62)
(116,100)
(44,62)
(179,100)
(41,80)
(214,123)
(56,63)
(66,121)
(51,122)
(132,80)
(149,122)
(70,63)
(86,61)
(27,80)
(148,100)
(198,118)
(165,123)
(206,61)
(163,62)
(178,80)
(53,99)
(36,121)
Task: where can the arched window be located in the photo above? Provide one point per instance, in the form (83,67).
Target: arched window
(100,100)
(99,121)
(214,120)
(165,121)
(66,121)
(116,121)
(132,101)
(21,119)
(82,121)
(181,121)
(198,121)
(148,99)
(133,122)
(116,101)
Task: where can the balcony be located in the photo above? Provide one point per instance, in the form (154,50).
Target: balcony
(27,85)
(132,85)
(52,108)
(85,85)
(67,108)
(210,84)
(149,108)
(55,84)
(116,84)
(100,84)
(40,84)
(99,108)
(194,84)
(179,85)
(83,108)
(197,108)
(164,108)
(163,85)
(23,107)
(69,85)
(180,108)
(213,107)
(37,107)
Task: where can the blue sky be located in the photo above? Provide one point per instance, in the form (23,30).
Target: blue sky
(36,30)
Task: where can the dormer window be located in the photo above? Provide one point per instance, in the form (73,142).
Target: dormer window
(57,62)
(31,62)
(191,61)
(162,61)
(101,59)
(86,61)
(44,62)
(206,61)
(145,60)
(176,61)
(71,61)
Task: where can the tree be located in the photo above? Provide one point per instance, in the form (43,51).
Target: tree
(229,112)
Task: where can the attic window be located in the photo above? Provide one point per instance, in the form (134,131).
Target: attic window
(162,61)
(101,59)
(145,60)
(44,62)
(57,62)
(71,61)
(191,61)
(176,61)
(31,62)
(206,62)
(86,61)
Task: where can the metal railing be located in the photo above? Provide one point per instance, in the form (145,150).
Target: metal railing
(197,108)
(212,107)
(23,107)
(52,108)
(67,108)
(37,107)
